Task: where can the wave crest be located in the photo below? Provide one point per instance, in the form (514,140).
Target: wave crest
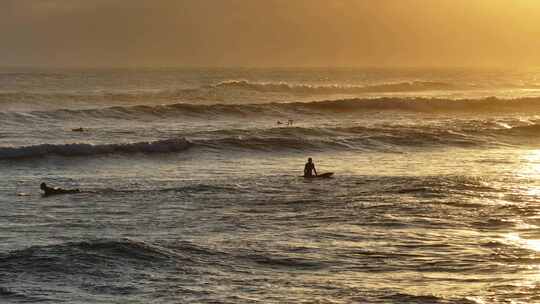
(382,138)
(83,149)
(283,87)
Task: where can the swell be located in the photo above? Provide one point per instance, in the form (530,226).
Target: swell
(392,138)
(89,257)
(107,258)
(341,106)
(110,96)
(360,138)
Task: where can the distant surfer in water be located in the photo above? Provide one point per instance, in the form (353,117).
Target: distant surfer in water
(52,191)
(309,168)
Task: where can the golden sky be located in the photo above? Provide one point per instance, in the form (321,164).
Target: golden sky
(501,33)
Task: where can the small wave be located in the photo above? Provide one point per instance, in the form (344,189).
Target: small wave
(12,295)
(6,292)
(333,89)
(101,267)
(271,144)
(107,96)
(82,149)
(530,130)
(398,297)
(203,188)
(437,187)
(355,137)
(490,104)
(289,262)
(82,257)
(189,189)
(359,138)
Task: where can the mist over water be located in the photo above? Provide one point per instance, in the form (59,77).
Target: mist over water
(191,189)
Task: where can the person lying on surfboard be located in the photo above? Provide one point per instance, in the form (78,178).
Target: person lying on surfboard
(52,191)
(309,168)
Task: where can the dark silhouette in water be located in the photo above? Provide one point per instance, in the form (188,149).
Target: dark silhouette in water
(309,168)
(290,122)
(311,172)
(53,191)
(78,130)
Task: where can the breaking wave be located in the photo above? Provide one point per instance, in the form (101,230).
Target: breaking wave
(84,149)
(414,86)
(178,93)
(290,139)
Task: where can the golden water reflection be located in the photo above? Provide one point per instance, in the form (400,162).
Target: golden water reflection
(531,167)
(516,239)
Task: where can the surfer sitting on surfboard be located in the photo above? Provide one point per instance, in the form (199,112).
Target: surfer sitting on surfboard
(309,168)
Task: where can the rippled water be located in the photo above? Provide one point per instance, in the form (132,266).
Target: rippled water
(191,191)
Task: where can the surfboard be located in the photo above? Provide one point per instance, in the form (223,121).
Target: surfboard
(56,191)
(323,175)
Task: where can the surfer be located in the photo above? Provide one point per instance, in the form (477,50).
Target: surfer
(309,168)
(51,191)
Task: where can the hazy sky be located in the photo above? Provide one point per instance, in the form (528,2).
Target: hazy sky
(270,32)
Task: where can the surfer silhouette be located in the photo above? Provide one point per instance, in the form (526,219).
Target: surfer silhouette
(52,191)
(309,168)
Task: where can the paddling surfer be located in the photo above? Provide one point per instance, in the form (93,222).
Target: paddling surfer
(51,191)
(309,168)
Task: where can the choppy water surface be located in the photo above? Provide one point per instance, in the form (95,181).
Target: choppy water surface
(191,190)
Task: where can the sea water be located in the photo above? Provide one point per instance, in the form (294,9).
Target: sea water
(191,189)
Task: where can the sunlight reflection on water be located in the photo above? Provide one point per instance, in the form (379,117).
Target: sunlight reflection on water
(532,166)
(516,239)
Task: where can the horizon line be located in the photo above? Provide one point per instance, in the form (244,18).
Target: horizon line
(217,67)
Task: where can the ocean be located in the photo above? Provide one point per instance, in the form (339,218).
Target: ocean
(191,191)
